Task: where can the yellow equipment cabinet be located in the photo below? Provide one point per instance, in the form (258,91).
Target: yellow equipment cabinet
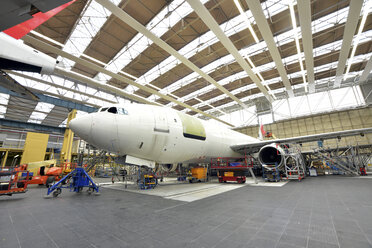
(198,174)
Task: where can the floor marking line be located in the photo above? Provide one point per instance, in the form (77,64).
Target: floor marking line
(163,209)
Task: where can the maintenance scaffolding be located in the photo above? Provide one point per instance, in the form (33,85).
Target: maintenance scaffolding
(294,163)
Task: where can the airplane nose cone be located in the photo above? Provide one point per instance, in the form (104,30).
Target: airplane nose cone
(82,126)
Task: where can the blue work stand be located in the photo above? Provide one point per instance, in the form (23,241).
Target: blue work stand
(76,180)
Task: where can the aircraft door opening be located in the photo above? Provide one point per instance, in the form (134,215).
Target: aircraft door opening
(161,130)
(161,122)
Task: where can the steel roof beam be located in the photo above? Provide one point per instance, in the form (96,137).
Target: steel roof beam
(31,126)
(208,19)
(263,26)
(162,44)
(366,70)
(97,68)
(304,12)
(349,31)
(76,77)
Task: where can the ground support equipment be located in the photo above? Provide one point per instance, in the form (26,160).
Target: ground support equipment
(197,174)
(294,163)
(146,179)
(271,174)
(14,180)
(75,181)
(232,169)
(363,171)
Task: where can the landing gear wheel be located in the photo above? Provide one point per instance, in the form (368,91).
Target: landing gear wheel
(57,192)
(90,191)
(49,182)
(20,185)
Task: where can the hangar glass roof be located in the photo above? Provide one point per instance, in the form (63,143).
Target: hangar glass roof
(95,16)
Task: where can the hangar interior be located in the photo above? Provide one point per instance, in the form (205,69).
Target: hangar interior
(293,74)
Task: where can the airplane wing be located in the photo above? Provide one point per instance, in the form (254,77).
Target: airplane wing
(255,147)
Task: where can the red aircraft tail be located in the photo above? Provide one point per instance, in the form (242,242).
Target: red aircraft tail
(20,30)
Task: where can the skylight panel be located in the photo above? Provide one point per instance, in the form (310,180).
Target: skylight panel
(41,110)
(343,97)
(292,75)
(320,102)
(250,51)
(356,39)
(4,99)
(90,23)
(304,105)
(332,19)
(44,107)
(3,109)
(299,105)
(274,7)
(159,25)
(63,124)
(288,60)
(37,117)
(230,27)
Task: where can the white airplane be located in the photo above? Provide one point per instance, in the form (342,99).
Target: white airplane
(149,134)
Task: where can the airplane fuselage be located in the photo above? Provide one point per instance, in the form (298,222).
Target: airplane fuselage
(158,134)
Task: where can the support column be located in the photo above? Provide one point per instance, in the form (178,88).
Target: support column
(4,159)
(68,138)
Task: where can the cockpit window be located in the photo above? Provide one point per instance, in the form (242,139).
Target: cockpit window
(112,110)
(122,111)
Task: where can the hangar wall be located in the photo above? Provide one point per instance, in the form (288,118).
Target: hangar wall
(321,123)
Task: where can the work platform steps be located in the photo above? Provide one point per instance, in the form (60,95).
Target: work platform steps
(337,161)
(296,170)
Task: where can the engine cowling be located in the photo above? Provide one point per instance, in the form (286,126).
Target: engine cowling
(168,167)
(270,155)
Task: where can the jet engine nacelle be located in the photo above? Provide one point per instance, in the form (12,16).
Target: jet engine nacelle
(14,55)
(270,155)
(168,167)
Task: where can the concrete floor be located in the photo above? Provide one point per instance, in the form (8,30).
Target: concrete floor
(332,211)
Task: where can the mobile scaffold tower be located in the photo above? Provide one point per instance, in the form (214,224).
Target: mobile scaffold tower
(294,163)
